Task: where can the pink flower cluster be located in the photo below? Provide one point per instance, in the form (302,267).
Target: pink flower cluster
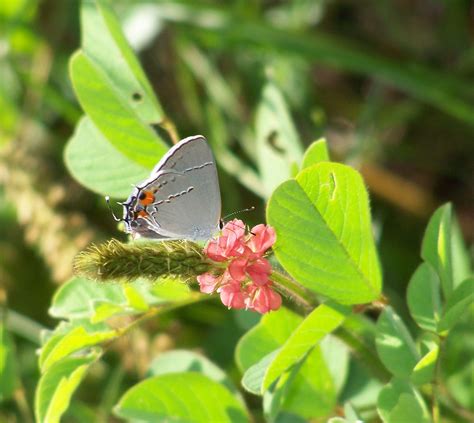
(245,281)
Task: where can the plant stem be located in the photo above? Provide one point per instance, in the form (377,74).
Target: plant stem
(300,295)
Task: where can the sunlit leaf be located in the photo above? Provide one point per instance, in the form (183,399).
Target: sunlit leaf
(77,339)
(324,237)
(57,385)
(114,118)
(188,396)
(424,370)
(322,321)
(179,361)
(101,33)
(315,153)
(268,335)
(98,165)
(437,248)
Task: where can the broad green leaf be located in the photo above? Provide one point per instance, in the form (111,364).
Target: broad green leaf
(269,334)
(299,384)
(457,304)
(315,153)
(324,237)
(253,378)
(77,339)
(424,297)
(179,361)
(98,165)
(322,321)
(436,248)
(425,368)
(117,121)
(400,402)
(190,397)
(75,299)
(105,44)
(82,298)
(278,144)
(57,385)
(8,371)
(395,346)
(312,392)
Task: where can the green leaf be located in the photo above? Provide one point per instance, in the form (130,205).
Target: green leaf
(312,392)
(461,260)
(77,339)
(135,299)
(315,153)
(190,397)
(57,385)
(336,355)
(400,402)
(179,361)
(82,298)
(303,384)
(269,334)
(8,371)
(425,368)
(436,247)
(278,143)
(395,346)
(115,119)
(457,304)
(424,297)
(253,378)
(322,321)
(105,44)
(75,299)
(324,237)
(98,165)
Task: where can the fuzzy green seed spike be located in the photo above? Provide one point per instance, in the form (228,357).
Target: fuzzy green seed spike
(117,261)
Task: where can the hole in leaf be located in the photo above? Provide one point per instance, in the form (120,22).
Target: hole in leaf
(137,96)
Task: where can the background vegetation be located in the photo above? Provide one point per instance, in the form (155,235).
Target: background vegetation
(389,84)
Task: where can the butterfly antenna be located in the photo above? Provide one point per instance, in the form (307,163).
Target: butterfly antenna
(107,200)
(239,211)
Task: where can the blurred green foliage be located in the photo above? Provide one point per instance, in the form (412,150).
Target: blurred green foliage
(389,84)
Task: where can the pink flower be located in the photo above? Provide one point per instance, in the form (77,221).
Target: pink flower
(264,237)
(263,299)
(245,282)
(232,295)
(230,243)
(207,282)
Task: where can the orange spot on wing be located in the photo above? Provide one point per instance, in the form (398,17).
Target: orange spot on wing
(146,198)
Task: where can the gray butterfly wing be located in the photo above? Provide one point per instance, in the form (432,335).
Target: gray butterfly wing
(187,199)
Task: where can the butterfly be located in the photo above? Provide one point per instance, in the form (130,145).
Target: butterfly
(181,197)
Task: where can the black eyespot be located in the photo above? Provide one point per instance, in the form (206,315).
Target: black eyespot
(137,96)
(142,196)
